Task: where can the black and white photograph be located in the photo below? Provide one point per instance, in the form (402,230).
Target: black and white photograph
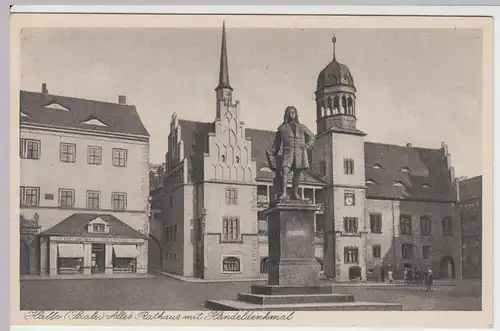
(215,164)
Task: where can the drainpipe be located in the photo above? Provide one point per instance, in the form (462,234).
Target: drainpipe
(393,233)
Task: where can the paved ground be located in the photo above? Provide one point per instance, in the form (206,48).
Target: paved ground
(163,293)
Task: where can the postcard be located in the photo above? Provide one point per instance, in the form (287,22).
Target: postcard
(251,170)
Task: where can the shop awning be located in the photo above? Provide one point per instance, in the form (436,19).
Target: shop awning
(72,251)
(126,251)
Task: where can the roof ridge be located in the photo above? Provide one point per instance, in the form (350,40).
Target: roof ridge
(78,99)
(402,146)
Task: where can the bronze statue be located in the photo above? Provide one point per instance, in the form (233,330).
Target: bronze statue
(289,154)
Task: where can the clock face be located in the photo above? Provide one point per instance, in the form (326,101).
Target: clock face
(349,200)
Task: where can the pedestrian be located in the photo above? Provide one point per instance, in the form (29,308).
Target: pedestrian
(410,276)
(429,280)
(405,275)
(390,276)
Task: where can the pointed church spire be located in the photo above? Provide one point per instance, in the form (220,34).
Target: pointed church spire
(224,72)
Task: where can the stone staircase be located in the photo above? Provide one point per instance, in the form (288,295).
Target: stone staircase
(303,298)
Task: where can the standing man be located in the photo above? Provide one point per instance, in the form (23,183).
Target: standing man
(289,153)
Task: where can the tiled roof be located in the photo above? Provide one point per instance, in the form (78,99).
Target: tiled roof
(75,224)
(471,188)
(398,172)
(117,118)
(407,172)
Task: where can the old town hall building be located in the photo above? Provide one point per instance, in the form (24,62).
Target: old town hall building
(383,206)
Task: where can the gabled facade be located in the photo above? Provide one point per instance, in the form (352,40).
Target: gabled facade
(74,154)
(383,206)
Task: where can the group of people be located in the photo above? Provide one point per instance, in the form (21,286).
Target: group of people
(414,276)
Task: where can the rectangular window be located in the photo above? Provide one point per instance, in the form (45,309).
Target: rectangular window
(231,196)
(94,155)
(407,251)
(405,224)
(376,223)
(348,166)
(376,251)
(231,229)
(351,224)
(425,225)
(119,201)
(447,226)
(66,198)
(426,252)
(322,168)
(98,228)
(93,200)
(30,149)
(119,157)
(29,196)
(67,153)
(175,232)
(351,254)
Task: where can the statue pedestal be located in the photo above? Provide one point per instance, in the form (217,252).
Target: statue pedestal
(293,273)
(291,259)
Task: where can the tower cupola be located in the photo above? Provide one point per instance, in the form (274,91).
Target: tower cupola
(335,96)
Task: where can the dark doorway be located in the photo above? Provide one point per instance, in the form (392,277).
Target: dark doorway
(447,268)
(24,266)
(355,273)
(98,258)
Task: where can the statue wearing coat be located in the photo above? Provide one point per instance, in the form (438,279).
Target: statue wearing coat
(289,154)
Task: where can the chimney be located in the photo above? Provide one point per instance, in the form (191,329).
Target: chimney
(44,89)
(122,100)
(408,145)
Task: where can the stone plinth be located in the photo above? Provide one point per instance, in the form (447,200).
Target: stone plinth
(291,259)
(293,273)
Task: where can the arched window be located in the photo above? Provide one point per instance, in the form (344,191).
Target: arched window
(350,106)
(348,166)
(231,264)
(222,158)
(330,106)
(237,159)
(263,265)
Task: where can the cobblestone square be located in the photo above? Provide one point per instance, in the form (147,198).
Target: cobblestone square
(163,293)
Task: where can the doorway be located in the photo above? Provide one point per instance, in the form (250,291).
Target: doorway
(98,258)
(447,268)
(24,264)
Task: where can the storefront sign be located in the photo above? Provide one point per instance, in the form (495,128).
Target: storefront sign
(97,240)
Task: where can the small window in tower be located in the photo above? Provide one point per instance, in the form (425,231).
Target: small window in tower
(237,159)
(222,158)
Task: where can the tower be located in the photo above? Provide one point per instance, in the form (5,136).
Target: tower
(224,91)
(335,96)
(230,245)
(340,152)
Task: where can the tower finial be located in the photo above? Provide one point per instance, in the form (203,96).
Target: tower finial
(334,40)
(223,70)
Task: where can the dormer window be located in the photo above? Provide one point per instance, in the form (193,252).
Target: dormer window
(377,167)
(56,105)
(98,228)
(398,184)
(426,186)
(370,182)
(406,170)
(98,225)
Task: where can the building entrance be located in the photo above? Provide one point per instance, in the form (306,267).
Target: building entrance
(98,258)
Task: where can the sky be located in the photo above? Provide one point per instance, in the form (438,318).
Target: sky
(418,86)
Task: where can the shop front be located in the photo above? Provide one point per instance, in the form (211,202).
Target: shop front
(87,255)
(107,250)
